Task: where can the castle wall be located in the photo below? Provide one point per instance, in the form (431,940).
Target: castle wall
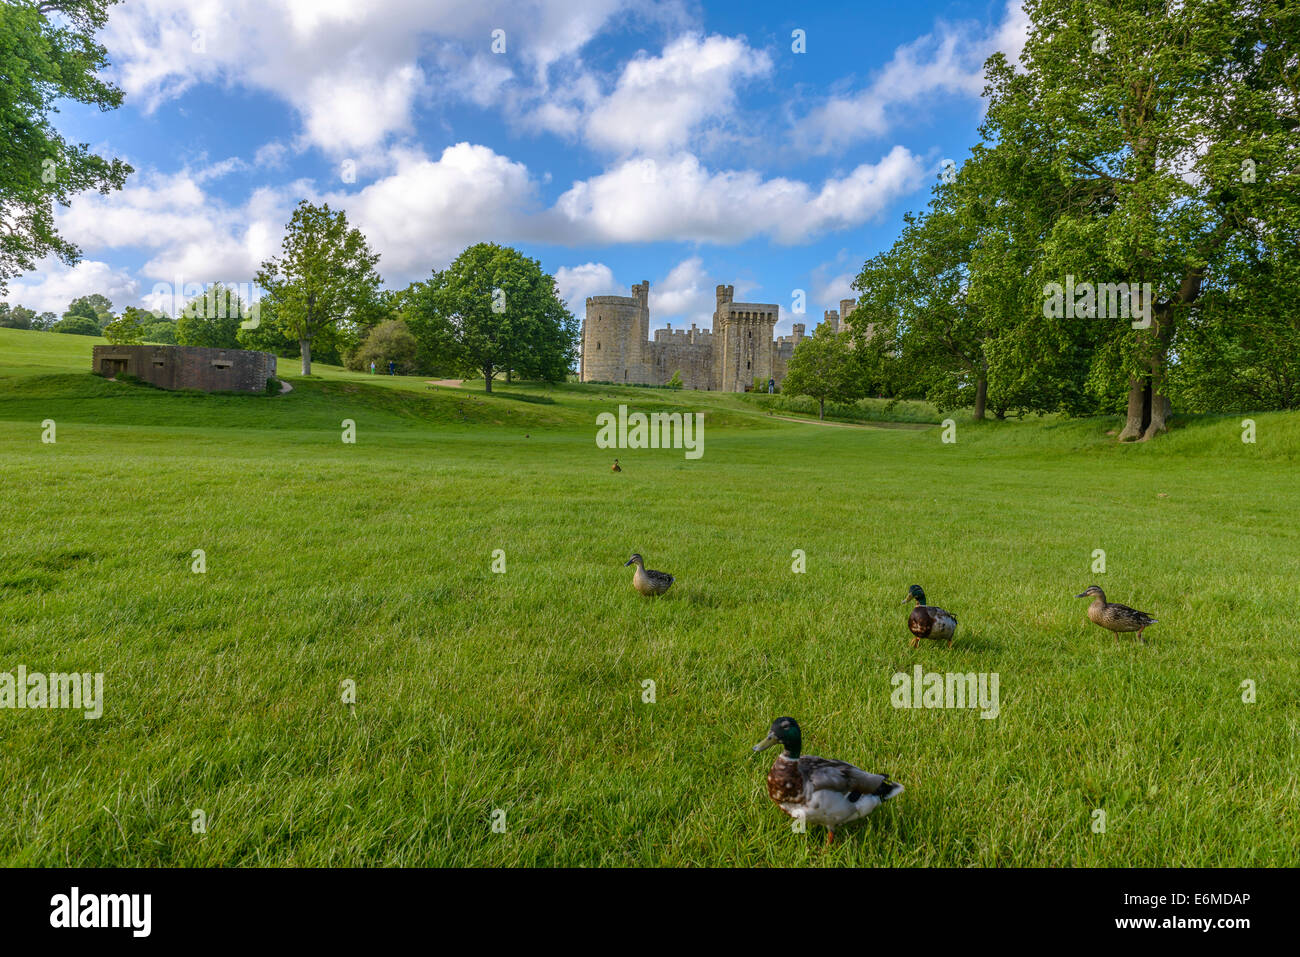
(689,352)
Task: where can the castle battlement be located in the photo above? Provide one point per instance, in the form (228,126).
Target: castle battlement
(692,336)
(732,356)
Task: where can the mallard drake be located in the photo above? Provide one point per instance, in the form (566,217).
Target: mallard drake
(927,621)
(647,581)
(617,467)
(1113,616)
(820,790)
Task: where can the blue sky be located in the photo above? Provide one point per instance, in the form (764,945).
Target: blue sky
(687,144)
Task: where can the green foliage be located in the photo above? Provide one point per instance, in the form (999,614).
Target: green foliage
(493,310)
(130,327)
(212,319)
(77,325)
(676,381)
(48,53)
(323,288)
(19,317)
(824,366)
(159,329)
(98,309)
(390,341)
(1139,144)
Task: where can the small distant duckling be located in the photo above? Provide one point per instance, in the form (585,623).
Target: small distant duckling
(1113,616)
(617,467)
(647,581)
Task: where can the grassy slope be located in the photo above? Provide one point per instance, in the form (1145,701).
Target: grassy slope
(521,691)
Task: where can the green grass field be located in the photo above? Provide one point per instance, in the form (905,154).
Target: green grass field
(479,692)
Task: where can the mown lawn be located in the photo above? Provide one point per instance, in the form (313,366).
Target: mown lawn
(479,692)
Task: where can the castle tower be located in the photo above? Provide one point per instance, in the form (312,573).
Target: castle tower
(742,341)
(846,309)
(615,338)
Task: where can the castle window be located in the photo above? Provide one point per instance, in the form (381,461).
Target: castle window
(597,346)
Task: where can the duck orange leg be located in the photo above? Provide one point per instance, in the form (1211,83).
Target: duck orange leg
(830,836)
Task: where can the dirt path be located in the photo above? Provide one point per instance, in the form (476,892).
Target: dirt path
(449,383)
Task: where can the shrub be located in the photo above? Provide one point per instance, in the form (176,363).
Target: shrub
(389,341)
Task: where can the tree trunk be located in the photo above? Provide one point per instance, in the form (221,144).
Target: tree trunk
(508,370)
(487,378)
(981,397)
(306,356)
(821,411)
(1137,410)
(1159,404)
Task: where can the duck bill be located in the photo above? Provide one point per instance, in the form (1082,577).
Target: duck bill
(626,563)
(1082,595)
(766,743)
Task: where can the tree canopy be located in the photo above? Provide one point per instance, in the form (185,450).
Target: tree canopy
(823,367)
(323,285)
(1113,240)
(48,53)
(494,310)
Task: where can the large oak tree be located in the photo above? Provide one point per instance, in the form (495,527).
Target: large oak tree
(494,310)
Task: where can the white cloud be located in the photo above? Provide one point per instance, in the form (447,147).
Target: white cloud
(659,102)
(831,282)
(53,285)
(426,211)
(679,199)
(354,72)
(349,113)
(576,283)
(188,236)
(947,62)
(686,293)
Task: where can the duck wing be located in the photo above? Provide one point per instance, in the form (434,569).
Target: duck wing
(659,578)
(826,774)
(1132,614)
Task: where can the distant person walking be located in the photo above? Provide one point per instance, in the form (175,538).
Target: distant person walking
(372,367)
(392,366)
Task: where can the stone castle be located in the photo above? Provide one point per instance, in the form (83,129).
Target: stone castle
(740,348)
